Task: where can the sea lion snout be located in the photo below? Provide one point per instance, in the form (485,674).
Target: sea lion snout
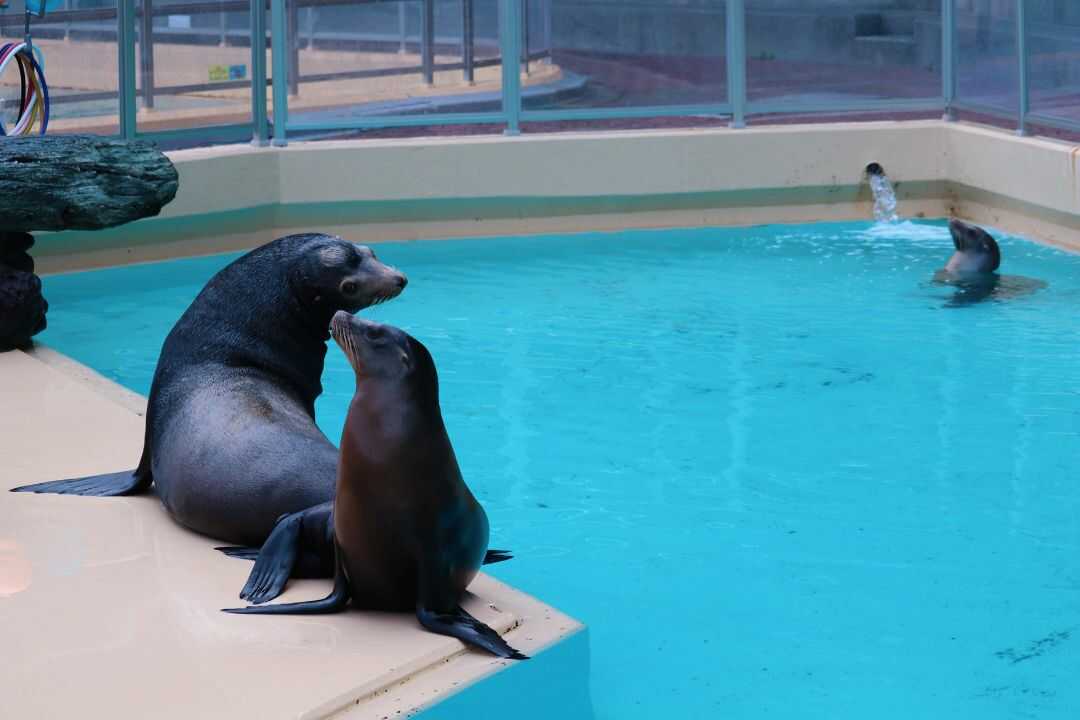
(373,349)
(961,233)
(370,282)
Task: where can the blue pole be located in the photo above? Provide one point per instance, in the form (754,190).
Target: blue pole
(279,55)
(736,61)
(510,46)
(427,41)
(125,32)
(1022,57)
(258,73)
(948,56)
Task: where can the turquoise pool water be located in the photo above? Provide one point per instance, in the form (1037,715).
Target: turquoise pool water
(769,468)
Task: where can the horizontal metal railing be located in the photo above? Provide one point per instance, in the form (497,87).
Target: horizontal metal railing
(136,32)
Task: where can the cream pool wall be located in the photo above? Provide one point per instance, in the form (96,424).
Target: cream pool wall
(236,197)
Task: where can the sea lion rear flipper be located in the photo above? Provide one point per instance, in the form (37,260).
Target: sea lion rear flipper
(469,630)
(334,602)
(127,482)
(497,556)
(239,552)
(309,533)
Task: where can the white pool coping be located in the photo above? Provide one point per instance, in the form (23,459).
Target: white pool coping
(236,197)
(109,608)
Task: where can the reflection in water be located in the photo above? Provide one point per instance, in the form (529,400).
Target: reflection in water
(974,289)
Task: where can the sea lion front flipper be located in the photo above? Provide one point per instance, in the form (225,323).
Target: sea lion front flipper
(301,543)
(334,602)
(469,630)
(497,556)
(127,482)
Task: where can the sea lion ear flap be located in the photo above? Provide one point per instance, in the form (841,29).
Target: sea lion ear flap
(406,360)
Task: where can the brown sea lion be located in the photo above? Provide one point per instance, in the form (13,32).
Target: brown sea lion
(408,533)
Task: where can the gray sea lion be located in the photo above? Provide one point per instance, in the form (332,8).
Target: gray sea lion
(231,442)
(977,253)
(408,533)
(972,269)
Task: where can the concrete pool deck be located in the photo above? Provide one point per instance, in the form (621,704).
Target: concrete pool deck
(107,607)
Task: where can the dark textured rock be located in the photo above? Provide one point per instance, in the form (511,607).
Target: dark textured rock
(22,308)
(13,247)
(77,182)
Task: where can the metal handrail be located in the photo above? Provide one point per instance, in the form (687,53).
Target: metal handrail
(148,88)
(129,20)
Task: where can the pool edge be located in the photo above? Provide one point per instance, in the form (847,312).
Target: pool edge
(527,622)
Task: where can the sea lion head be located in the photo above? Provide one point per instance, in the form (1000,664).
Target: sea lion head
(383,352)
(976,251)
(334,274)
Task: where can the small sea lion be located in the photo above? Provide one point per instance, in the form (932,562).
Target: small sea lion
(972,269)
(408,533)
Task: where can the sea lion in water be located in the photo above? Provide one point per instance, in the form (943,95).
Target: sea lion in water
(231,442)
(408,533)
(977,253)
(972,268)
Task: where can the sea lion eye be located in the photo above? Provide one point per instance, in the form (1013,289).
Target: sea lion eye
(348,287)
(374,333)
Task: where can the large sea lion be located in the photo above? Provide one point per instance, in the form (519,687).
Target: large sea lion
(972,268)
(231,442)
(408,533)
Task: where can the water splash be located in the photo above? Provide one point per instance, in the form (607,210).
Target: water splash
(884,197)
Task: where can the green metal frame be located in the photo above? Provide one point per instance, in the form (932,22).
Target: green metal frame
(1022,69)
(510,49)
(736,61)
(948,56)
(512,113)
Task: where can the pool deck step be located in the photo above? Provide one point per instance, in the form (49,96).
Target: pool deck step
(108,607)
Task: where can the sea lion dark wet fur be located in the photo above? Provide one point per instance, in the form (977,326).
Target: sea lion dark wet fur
(972,269)
(977,253)
(231,442)
(409,535)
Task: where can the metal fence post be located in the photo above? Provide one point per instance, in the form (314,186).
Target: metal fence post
(427,41)
(146,53)
(525,36)
(125,34)
(292,38)
(546,7)
(736,61)
(1023,74)
(948,56)
(280,59)
(258,72)
(510,49)
(468,46)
